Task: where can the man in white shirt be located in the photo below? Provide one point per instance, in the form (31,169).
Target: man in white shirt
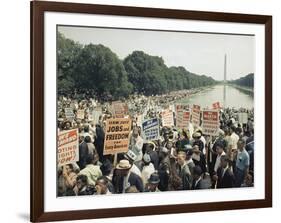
(136,142)
(148,168)
(220,152)
(234,140)
(234,137)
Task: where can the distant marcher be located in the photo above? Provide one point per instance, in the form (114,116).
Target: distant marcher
(148,168)
(184,171)
(136,142)
(197,178)
(69,178)
(107,171)
(220,152)
(224,174)
(189,159)
(102,186)
(99,141)
(199,158)
(164,169)
(82,186)
(123,178)
(232,144)
(197,141)
(150,150)
(242,163)
(83,154)
(91,170)
(152,183)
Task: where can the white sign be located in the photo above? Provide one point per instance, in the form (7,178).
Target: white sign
(167,117)
(210,122)
(68,147)
(195,119)
(80,114)
(69,113)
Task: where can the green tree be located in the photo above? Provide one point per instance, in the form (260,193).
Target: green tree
(247,81)
(98,68)
(67,55)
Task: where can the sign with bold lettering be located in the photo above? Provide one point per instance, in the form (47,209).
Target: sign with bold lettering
(119,109)
(182,116)
(195,119)
(150,129)
(80,114)
(117,135)
(167,117)
(68,147)
(210,122)
(216,105)
(69,113)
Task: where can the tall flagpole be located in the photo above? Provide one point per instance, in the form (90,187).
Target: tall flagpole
(224,83)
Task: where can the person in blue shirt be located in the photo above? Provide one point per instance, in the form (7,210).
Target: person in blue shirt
(242,163)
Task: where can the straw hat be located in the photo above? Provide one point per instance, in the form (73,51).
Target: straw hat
(196,135)
(123,165)
(153,144)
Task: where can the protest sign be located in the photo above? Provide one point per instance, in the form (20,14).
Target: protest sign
(68,147)
(195,119)
(119,109)
(216,105)
(182,107)
(95,115)
(210,122)
(182,119)
(182,116)
(167,117)
(69,113)
(117,135)
(243,117)
(150,129)
(80,114)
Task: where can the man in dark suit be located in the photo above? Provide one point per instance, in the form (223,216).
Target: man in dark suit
(197,178)
(123,178)
(224,176)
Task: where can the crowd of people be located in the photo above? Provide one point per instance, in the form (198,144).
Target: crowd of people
(181,159)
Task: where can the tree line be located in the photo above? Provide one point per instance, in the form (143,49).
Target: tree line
(97,68)
(246,81)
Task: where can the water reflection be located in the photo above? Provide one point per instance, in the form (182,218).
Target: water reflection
(234,97)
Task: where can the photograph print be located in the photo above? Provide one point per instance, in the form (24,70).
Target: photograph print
(142,111)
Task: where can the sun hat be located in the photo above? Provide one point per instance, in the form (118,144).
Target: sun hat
(196,135)
(123,165)
(153,144)
(131,154)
